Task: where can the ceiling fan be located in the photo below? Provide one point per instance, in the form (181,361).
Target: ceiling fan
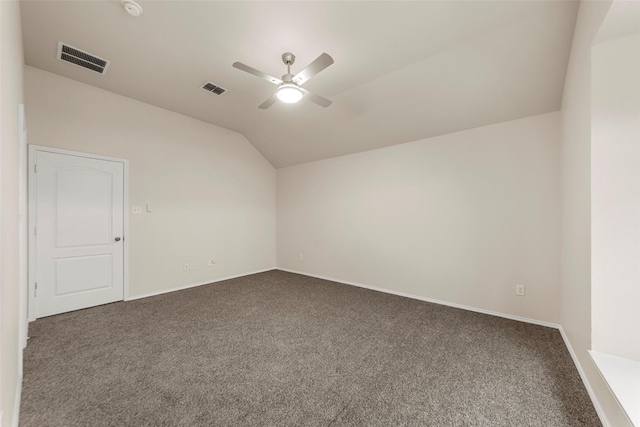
(289,87)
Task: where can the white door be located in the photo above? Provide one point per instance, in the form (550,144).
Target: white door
(78,232)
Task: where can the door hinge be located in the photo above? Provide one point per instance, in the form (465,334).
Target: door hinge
(35,168)
(35,231)
(35,294)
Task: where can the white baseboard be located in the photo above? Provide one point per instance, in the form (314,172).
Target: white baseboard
(16,403)
(193,285)
(585,381)
(432,300)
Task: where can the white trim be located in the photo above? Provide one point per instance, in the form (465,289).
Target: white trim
(585,381)
(31,191)
(16,403)
(622,377)
(23,258)
(23,233)
(77,153)
(193,285)
(33,149)
(432,300)
(125,237)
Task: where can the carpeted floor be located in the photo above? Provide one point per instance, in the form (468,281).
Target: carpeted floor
(280,349)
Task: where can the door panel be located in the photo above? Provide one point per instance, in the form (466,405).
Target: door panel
(79,213)
(80,274)
(83,205)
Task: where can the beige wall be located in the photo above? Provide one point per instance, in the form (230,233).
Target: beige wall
(460,218)
(211,192)
(615,192)
(12,95)
(576,204)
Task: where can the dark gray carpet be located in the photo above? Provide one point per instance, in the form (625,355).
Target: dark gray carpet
(280,349)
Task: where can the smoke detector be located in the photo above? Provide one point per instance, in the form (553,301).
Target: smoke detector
(132,8)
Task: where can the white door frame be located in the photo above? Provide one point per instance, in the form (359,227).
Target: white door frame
(33,149)
(23,230)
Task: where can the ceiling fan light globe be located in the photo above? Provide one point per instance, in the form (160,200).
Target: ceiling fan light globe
(289,94)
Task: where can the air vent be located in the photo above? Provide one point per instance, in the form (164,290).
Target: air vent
(82,59)
(213,88)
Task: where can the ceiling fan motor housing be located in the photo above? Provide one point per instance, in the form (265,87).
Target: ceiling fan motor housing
(288,78)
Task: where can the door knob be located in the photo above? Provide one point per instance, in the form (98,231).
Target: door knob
(117,239)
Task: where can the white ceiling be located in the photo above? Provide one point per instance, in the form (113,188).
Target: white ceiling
(403,70)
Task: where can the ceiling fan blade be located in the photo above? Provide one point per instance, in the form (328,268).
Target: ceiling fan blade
(320,63)
(323,102)
(251,70)
(269,102)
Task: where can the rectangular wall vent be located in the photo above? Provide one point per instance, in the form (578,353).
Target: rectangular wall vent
(82,59)
(213,88)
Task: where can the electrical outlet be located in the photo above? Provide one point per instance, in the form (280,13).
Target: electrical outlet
(185,267)
(136,210)
(192,266)
(211,262)
(300,257)
(520,289)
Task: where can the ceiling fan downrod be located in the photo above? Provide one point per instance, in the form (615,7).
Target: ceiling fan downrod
(288,58)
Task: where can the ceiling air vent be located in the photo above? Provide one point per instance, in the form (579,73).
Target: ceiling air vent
(82,59)
(213,88)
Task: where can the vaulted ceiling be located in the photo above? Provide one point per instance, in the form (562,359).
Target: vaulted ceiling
(403,70)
